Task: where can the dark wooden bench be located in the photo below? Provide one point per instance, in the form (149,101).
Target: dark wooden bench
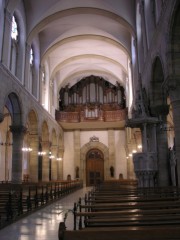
(126,213)
(123,233)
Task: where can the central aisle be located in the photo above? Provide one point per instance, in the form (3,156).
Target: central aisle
(43,224)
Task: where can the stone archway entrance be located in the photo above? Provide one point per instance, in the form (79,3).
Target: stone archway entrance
(94,167)
(103,150)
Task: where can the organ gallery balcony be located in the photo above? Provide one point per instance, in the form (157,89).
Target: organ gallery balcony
(97,116)
(92,100)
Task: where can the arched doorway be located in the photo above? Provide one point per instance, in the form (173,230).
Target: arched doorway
(94,167)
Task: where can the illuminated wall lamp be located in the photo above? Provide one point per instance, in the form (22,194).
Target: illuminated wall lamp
(26,149)
(41,153)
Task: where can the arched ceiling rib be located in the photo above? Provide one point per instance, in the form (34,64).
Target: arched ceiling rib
(78,38)
(81,13)
(78,74)
(85,60)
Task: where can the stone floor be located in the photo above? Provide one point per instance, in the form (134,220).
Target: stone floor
(43,224)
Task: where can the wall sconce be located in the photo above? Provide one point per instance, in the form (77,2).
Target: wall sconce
(59,159)
(26,149)
(41,153)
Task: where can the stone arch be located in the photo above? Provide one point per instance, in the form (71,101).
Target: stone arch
(13,105)
(85,149)
(5,146)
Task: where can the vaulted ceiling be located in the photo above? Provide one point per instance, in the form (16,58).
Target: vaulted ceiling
(78,38)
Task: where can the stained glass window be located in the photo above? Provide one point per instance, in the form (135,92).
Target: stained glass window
(14,31)
(31,57)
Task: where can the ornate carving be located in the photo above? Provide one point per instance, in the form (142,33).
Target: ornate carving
(141,108)
(94,139)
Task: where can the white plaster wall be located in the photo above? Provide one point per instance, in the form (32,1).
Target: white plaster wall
(86,135)
(68,159)
(120,154)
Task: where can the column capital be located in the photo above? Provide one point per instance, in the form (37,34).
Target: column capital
(18,129)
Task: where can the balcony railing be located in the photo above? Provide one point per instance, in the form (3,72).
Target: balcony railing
(86,116)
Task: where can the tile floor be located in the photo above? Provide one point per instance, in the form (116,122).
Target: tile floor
(43,224)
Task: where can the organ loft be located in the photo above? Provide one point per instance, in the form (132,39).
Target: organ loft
(89,119)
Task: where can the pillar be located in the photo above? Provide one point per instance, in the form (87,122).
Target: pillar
(54,163)
(143,23)
(45,161)
(111,145)
(60,164)
(163,161)
(78,173)
(18,132)
(33,158)
(7,39)
(176,118)
(27,66)
(144,139)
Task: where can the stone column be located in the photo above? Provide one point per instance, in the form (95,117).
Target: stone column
(27,66)
(45,161)
(154,147)
(130,169)
(78,169)
(54,163)
(144,135)
(163,161)
(143,23)
(7,39)
(111,145)
(60,164)
(176,119)
(33,158)
(18,132)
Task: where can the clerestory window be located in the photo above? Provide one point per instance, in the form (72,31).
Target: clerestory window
(14,29)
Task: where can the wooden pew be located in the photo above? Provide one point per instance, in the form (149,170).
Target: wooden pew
(124,233)
(17,200)
(126,213)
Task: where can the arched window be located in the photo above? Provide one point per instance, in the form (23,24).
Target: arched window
(14,29)
(14,45)
(31,61)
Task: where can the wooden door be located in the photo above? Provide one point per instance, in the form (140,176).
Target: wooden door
(94,167)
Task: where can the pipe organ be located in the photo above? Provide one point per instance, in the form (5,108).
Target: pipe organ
(91,98)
